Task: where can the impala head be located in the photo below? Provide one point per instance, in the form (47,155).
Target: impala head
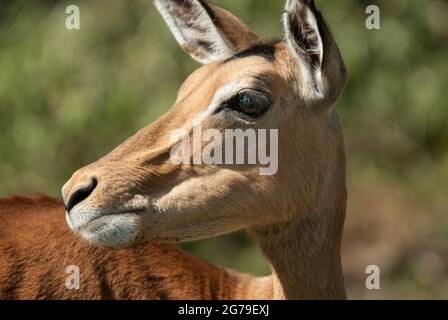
(138,193)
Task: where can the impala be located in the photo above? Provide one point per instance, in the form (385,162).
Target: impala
(137,194)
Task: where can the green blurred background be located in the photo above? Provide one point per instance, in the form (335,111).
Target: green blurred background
(69,97)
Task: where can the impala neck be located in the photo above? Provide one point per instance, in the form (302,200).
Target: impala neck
(305,252)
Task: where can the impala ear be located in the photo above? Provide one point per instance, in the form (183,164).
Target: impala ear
(311,42)
(206,32)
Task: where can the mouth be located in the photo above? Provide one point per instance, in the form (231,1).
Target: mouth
(110,229)
(83,221)
(97,224)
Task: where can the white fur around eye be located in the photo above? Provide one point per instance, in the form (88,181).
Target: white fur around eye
(222,94)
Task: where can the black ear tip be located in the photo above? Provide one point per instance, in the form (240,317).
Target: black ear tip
(310,3)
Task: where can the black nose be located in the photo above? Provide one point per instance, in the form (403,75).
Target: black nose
(81,194)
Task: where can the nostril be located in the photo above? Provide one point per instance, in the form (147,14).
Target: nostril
(81,194)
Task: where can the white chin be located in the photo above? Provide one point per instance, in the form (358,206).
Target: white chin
(113,231)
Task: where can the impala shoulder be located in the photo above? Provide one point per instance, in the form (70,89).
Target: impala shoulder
(14,201)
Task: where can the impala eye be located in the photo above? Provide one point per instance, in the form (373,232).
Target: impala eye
(249,104)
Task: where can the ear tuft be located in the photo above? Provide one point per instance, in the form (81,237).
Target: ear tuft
(303,37)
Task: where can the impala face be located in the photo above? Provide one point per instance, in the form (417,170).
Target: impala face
(138,193)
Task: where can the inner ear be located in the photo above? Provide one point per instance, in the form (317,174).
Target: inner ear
(206,32)
(303,36)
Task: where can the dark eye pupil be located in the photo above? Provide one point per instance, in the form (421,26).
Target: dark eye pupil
(244,101)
